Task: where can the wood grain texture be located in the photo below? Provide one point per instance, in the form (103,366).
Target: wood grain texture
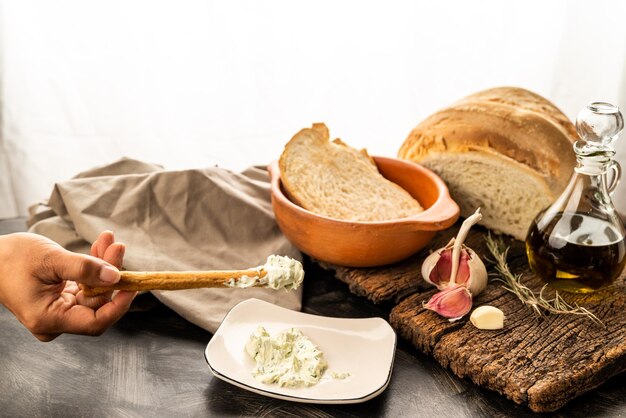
(391,283)
(540,362)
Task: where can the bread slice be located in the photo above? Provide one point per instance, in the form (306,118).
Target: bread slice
(338,181)
(509,193)
(506,150)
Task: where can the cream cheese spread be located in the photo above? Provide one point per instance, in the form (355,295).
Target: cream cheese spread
(280,273)
(289,359)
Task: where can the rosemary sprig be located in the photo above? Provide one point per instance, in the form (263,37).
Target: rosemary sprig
(513,283)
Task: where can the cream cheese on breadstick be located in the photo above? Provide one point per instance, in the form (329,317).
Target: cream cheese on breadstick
(278,272)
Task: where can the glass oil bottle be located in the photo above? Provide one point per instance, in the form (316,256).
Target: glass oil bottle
(577,244)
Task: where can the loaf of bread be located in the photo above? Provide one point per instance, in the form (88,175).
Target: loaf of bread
(338,181)
(506,150)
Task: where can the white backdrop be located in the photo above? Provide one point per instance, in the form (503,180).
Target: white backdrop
(197,83)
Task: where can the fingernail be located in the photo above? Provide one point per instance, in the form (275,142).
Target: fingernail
(109,274)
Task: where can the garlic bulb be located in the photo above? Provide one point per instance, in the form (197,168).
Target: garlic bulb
(471,272)
(452,266)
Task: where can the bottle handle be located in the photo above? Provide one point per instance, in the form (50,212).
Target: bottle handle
(617,174)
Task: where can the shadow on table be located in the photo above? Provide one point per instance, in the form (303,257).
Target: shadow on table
(224,399)
(150,316)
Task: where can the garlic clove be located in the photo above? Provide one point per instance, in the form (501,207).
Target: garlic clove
(453,302)
(487,317)
(428,266)
(463,271)
(470,273)
(477,280)
(437,267)
(437,277)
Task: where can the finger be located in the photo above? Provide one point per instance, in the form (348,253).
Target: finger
(84,269)
(67,298)
(93,251)
(104,241)
(83,320)
(115,254)
(71,287)
(93,302)
(124,298)
(46,337)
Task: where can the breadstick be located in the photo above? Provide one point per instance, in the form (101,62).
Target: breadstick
(176,280)
(278,272)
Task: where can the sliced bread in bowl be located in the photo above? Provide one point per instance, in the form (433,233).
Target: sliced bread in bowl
(338,181)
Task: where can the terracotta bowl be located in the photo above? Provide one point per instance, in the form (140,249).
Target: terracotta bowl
(368,244)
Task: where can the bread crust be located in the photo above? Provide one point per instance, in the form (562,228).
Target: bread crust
(501,127)
(526,99)
(510,121)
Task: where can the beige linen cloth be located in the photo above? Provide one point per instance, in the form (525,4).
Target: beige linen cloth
(204,219)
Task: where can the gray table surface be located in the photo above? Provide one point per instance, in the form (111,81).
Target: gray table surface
(151,364)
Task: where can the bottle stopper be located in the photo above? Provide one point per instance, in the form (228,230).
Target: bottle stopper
(598,124)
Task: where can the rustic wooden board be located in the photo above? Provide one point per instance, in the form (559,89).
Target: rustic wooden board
(394,282)
(540,362)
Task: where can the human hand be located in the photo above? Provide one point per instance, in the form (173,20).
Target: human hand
(38,283)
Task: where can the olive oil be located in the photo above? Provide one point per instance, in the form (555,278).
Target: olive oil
(577,243)
(576,252)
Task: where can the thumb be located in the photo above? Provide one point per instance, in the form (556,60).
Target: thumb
(85,269)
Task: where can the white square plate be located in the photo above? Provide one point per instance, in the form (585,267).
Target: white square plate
(365,348)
